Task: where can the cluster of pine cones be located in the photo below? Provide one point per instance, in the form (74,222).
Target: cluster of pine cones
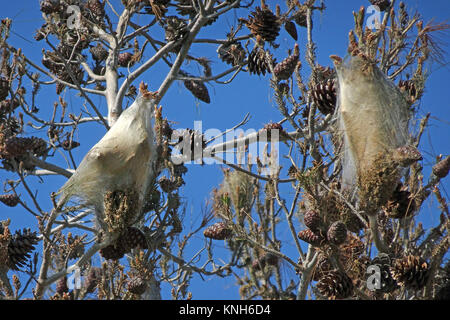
(318,234)
(21,245)
(130,239)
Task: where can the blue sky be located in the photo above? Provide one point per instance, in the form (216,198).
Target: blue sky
(230,103)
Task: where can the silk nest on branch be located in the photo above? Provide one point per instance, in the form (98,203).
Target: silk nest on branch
(116,172)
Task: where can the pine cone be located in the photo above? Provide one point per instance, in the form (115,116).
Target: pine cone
(114,251)
(11,200)
(4,88)
(124,59)
(335,285)
(401,204)
(17,146)
(313,220)
(324,96)
(300,18)
(232,53)
(38,146)
(69,145)
(20,247)
(442,168)
(290,28)
(310,237)
(257,61)
(8,105)
(168,185)
(323,266)
(50,6)
(406,156)
(264,23)
(92,279)
(198,90)
(337,233)
(175,29)
(133,238)
(285,68)
(137,285)
(352,248)
(411,272)
(99,53)
(218,231)
(388,284)
(352,222)
(97,8)
(382,4)
(61,286)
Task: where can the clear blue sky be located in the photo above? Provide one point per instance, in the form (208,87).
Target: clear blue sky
(229,104)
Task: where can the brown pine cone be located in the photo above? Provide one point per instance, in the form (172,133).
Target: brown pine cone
(218,231)
(198,90)
(7,106)
(387,283)
(97,8)
(313,220)
(411,272)
(133,238)
(20,248)
(442,168)
(92,279)
(335,285)
(337,233)
(382,4)
(50,6)
(99,53)
(406,156)
(285,68)
(114,251)
(290,28)
(11,200)
(257,61)
(323,266)
(401,204)
(324,96)
(124,59)
(232,53)
(137,285)
(264,23)
(317,240)
(175,29)
(4,88)
(61,286)
(69,145)
(300,18)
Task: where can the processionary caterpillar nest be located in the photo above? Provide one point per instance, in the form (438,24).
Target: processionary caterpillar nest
(123,160)
(372,115)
